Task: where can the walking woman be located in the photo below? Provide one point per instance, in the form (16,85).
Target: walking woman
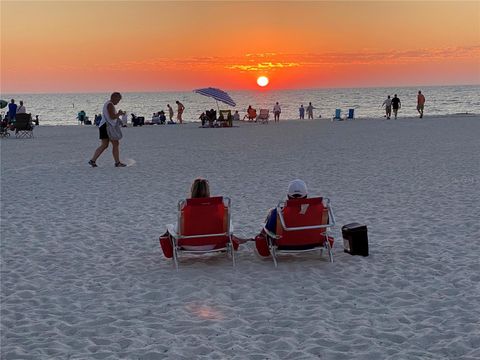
(110,130)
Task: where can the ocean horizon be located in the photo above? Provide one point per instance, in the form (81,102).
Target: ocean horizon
(62,108)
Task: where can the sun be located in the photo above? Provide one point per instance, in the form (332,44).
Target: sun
(262,81)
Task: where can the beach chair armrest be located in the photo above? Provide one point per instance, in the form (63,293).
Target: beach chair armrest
(269,233)
(172,231)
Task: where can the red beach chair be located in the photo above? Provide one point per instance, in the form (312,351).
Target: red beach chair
(204,226)
(264,116)
(302,225)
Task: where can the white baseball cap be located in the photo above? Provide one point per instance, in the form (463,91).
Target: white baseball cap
(297,188)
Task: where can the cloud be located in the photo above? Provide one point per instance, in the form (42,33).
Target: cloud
(256,62)
(271,62)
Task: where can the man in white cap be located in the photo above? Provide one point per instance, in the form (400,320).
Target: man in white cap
(297,189)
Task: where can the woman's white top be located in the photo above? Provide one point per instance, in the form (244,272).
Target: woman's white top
(106,115)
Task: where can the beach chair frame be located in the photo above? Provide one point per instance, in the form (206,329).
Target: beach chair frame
(263,115)
(23,126)
(227,118)
(176,236)
(350,114)
(272,237)
(337,115)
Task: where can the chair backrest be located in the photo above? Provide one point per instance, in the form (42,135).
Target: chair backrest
(351,112)
(264,113)
(252,112)
(23,121)
(338,113)
(226,114)
(299,213)
(203,216)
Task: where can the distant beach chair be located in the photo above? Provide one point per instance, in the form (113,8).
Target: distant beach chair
(211,117)
(337,115)
(302,225)
(204,226)
(4,127)
(23,126)
(227,118)
(351,114)
(263,116)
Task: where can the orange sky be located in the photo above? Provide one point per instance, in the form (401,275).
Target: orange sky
(73,46)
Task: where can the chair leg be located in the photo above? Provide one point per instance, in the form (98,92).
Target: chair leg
(175,253)
(329,248)
(232,252)
(272,251)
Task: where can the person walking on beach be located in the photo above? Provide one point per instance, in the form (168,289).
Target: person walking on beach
(12,111)
(112,117)
(396,105)
(276,112)
(170,113)
(21,109)
(180,111)
(388,107)
(310,108)
(420,103)
(301,112)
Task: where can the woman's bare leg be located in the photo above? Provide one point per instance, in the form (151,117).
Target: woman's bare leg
(100,149)
(116,150)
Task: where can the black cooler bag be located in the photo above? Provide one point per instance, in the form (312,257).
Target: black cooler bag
(355,239)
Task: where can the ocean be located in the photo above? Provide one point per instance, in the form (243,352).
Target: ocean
(62,109)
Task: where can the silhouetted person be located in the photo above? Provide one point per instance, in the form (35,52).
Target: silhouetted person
(396,105)
(420,103)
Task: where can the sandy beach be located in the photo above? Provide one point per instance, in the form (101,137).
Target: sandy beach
(83,277)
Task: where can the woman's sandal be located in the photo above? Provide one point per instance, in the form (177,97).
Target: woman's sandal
(92,163)
(120,164)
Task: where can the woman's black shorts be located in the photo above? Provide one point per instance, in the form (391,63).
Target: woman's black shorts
(103,131)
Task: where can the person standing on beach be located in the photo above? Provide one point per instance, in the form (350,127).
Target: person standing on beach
(12,111)
(170,113)
(111,116)
(310,108)
(21,109)
(301,112)
(396,105)
(276,112)
(180,111)
(388,107)
(420,103)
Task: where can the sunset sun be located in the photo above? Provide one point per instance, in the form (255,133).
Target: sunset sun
(262,81)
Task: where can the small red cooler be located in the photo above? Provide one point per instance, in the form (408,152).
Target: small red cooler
(355,239)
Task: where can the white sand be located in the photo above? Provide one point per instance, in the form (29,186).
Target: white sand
(83,276)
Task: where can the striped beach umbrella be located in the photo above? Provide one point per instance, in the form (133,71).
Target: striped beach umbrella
(217,94)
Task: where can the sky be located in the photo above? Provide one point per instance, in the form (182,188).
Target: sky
(96,46)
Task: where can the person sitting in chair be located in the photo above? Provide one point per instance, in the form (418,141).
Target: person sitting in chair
(236,116)
(297,189)
(211,117)
(199,189)
(162,117)
(251,114)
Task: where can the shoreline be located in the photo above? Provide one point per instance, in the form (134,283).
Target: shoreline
(425,117)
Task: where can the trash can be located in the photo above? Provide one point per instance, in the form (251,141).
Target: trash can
(355,239)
